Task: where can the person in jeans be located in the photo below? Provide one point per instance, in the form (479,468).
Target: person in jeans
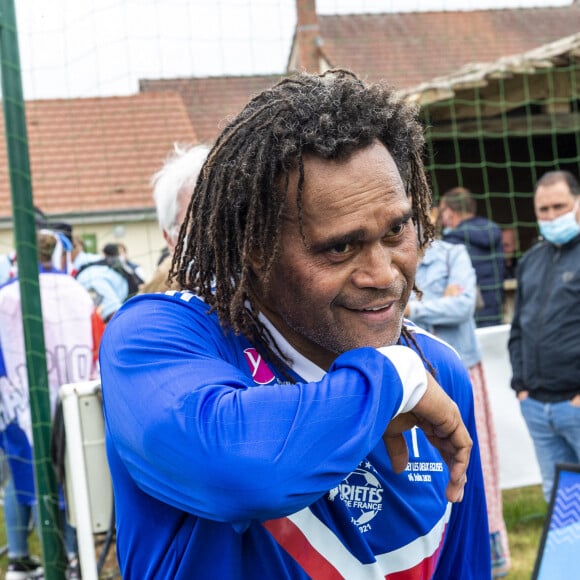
(544,342)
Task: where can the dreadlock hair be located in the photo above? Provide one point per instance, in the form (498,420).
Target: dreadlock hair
(242,189)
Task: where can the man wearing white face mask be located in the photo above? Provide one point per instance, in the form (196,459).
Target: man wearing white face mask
(544,342)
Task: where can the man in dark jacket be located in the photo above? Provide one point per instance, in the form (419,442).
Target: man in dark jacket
(544,341)
(482,237)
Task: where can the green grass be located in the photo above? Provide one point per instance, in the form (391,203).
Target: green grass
(524,513)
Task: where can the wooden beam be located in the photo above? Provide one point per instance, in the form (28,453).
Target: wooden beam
(556,87)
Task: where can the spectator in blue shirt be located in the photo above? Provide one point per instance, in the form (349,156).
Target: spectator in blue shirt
(482,238)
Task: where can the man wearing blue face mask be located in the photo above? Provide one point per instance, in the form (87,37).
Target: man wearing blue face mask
(544,342)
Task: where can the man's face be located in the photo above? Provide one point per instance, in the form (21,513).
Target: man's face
(344,283)
(552,201)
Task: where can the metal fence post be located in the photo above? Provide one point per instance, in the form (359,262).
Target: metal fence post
(26,249)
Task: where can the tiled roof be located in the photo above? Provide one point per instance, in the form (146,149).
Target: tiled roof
(211,100)
(97,154)
(406,49)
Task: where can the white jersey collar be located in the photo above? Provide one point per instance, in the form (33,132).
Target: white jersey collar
(302,366)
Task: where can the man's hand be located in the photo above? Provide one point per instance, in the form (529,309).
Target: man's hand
(438,416)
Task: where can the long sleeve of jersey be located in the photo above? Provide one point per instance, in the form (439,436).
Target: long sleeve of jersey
(195,431)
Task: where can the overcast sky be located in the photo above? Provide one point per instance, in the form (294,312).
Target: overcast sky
(81,48)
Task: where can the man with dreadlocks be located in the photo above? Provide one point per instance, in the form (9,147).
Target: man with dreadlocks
(274,418)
